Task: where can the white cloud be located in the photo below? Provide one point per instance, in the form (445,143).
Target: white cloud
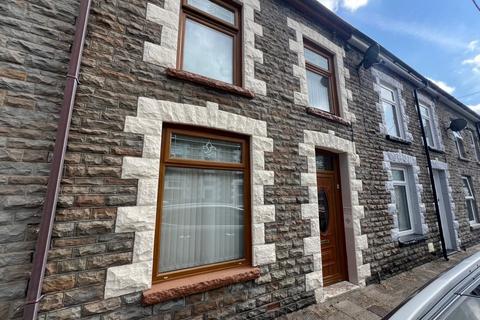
(472,45)
(351,5)
(475,62)
(475,107)
(445,87)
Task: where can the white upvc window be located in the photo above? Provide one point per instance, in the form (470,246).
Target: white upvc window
(428,124)
(460,144)
(391,109)
(470,202)
(476,144)
(403,201)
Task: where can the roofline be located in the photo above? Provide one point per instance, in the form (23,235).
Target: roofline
(361,41)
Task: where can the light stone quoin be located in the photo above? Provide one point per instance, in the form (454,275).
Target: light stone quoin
(165,53)
(141,219)
(353,211)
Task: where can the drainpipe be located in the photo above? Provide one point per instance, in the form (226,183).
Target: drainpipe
(53,187)
(430,171)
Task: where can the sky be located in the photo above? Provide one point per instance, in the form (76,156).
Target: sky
(438,38)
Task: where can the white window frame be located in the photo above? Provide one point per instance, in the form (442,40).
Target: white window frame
(396,105)
(470,200)
(431,120)
(459,138)
(407,184)
(475,144)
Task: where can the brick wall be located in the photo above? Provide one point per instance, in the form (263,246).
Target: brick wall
(35,37)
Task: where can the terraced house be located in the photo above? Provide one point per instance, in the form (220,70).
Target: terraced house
(216,159)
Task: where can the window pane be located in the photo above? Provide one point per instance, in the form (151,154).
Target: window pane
(398,175)
(428,132)
(208,52)
(214,9)
(316,59)
(318,93)
(404,222)
(324,162)
(471,210)
(391,120)
(460,147)
(202,218)
(196,148)
(387,94)
(466,188)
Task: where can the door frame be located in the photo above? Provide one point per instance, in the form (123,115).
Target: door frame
(339,212)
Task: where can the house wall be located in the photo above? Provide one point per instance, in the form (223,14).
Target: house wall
(35,39)
(92,267)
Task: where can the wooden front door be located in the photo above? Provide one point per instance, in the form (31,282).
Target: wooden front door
(332,233)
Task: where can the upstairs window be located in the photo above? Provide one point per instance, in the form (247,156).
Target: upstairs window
(476,145)
(320,78)
(460,145)
(210,40)
(403,200)
(470,201)
(428,124)
(389,100)
(203,220)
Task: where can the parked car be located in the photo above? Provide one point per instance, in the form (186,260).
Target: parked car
(454,295)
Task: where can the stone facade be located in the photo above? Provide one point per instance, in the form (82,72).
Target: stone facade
(100,261)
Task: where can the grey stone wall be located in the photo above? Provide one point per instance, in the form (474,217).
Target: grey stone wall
(35,38)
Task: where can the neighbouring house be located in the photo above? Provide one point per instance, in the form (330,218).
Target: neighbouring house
(225,159)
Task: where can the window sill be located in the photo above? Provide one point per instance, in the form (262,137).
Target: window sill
(210,83)
(411,239)
(475,226)
(397,139)
(327,116)
(433,149)
(177,288)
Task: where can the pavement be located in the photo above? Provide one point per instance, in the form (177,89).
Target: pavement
(377,300)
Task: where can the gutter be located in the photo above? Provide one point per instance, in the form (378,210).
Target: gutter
(430,171)
(34,292)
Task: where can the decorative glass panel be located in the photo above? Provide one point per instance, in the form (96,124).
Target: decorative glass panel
(202,218)
(403,214)
(318,91)
(208,52)
(316,59)
(398,175)
(323,210)
(391,120)
(196,148)
(324,162)
(387,94)
(214,9)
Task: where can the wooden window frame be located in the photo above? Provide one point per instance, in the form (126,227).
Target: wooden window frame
(167,161)
(206,19)
(330,74)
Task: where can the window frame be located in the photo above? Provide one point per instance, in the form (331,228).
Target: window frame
(190,12)
(167,161)
(406,184)
(471,200)
(431,121)
(396,105)
(330,74)
(476,144)
(459,138)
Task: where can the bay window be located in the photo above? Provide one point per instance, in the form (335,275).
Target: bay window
(403,200)
(320,78)
(470,202)
(203,220)
(388,98)
(210,40)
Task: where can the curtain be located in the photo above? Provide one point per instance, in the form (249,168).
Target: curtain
(318,96)
(202,218)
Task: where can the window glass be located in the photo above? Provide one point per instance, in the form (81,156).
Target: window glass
(466,187)
(468,308)
(316,59)
(196,148)
(387,94)
(398,175)
(202,218)
(427,124)
(324,162)
(476,144)
(391,120)
(459,144)
(318,93)
(214,9)
(208,52)
(401,202)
